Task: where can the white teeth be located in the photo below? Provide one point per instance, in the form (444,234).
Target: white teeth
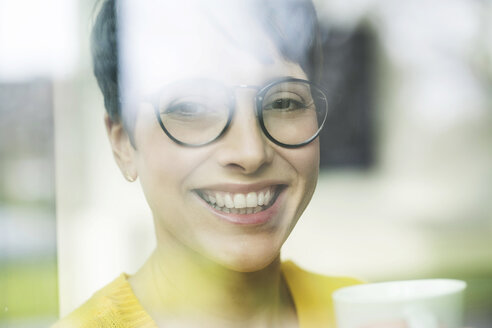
(244,210)
(252,202)
(220,200)
(251,199)
(261,198)
(268,197)
(239,201)
(228,201)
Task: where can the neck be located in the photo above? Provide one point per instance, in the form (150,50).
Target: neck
(178,282)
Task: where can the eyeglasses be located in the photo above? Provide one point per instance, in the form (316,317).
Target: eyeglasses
(291,112)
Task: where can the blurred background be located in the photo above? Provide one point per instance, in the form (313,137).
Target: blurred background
(38,49)
(405,189)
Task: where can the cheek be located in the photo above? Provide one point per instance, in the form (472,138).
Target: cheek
(164,166)
(306,162)
(159,167)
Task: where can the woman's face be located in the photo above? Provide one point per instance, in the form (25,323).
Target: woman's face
(241,167)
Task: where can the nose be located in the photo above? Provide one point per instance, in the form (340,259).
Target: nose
(244,148)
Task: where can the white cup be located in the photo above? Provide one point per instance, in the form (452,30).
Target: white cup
(429,303)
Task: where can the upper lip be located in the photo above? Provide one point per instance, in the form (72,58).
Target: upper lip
(241,187)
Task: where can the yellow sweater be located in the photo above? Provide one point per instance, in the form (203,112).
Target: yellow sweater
(116,305)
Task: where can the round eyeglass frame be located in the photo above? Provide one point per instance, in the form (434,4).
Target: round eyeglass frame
(259,114)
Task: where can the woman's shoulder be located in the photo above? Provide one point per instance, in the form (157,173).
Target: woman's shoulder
(312,294)
(115,305)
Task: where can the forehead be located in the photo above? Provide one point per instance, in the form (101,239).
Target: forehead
(166,41)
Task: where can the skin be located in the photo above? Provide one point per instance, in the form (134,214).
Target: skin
(207,271)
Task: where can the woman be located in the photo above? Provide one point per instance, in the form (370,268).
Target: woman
(214,109)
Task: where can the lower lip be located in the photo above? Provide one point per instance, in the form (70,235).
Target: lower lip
(248,219)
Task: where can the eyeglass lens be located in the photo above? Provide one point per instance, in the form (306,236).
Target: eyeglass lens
(291,112)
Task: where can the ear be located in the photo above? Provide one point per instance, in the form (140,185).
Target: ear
(123,151)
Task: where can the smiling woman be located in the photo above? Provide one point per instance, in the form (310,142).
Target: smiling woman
(215,110)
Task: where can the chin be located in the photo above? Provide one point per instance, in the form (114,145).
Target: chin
(249,260)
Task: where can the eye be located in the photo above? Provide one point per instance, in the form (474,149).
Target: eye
(284,102)
(186,109)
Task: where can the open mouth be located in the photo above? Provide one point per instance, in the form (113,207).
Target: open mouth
(241,203)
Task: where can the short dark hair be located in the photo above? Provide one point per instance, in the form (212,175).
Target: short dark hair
(280,19)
